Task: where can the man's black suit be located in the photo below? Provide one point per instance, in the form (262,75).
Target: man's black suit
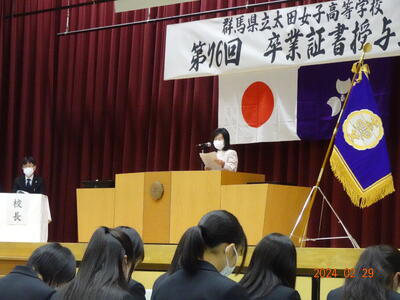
(36,187)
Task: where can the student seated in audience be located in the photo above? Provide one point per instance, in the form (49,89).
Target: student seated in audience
(376,276)
(103,272)
(271,274)
(208,254)
(49,267)
(135,288)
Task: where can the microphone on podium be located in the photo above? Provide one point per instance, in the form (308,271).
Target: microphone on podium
(204,145)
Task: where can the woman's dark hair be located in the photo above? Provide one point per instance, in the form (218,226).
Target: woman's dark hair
(273,263)
(225,134)
(55,264)
(384,261)
(214,228)
(176,259)
(137,246)
(101,275)
(27,160)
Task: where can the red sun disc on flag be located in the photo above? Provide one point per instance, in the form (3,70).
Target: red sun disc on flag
(257,104)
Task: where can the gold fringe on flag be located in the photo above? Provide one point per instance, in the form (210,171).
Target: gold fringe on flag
(359,196)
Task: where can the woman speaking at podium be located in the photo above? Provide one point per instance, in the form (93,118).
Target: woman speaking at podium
(226,157)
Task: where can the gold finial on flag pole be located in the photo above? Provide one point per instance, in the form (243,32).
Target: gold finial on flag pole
(367,48)
(359,68)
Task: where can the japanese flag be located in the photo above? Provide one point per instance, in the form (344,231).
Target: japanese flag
(259,106)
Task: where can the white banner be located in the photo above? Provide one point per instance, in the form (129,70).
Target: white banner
(302,35)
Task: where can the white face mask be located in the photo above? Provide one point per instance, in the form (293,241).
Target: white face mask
(228,270)
(219,145)
(28,171)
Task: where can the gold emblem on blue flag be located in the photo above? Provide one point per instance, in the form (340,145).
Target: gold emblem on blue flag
(363,129)
(360,158)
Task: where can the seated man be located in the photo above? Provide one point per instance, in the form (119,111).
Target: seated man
(49,267)
(29,182)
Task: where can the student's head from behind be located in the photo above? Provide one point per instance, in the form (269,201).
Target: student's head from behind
(112,249)
(28,166)
(54,264)
(218,238)
(273,263)
(137,247)
(104,268)
(221,139)
(377,271)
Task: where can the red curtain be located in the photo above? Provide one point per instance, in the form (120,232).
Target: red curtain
(91,105)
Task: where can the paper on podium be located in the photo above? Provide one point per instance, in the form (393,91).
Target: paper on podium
(209,160)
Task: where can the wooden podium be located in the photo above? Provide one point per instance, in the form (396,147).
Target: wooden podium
(135,207)
(267,208)
(95,208)
(194,193)
(188,195)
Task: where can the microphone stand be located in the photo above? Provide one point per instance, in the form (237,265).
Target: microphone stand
(202,148)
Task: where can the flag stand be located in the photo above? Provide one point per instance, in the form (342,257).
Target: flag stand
(356,69)
(324,200)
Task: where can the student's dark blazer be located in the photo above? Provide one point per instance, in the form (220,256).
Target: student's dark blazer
(337,294)
(137,289)
(23,284)
(159,280)
(102,293)
(281,293)
(37,186)
(205,283)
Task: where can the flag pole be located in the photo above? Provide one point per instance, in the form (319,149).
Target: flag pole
(357,67)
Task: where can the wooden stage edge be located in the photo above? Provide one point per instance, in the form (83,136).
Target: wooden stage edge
(158,257)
